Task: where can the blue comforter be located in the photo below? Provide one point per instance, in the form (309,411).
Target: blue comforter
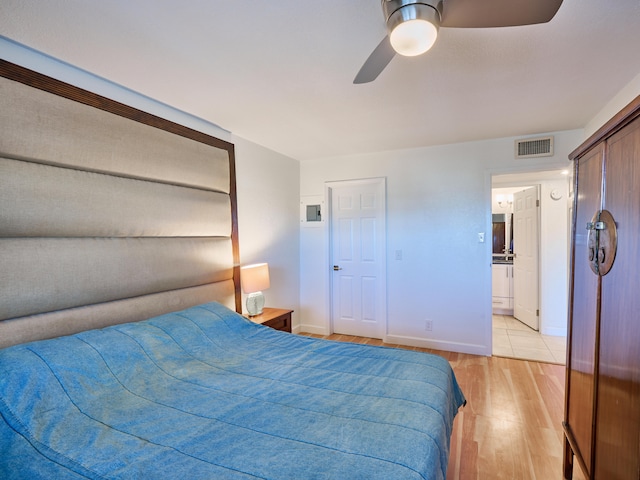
(207,394)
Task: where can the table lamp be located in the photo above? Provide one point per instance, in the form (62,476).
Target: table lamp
(254,278)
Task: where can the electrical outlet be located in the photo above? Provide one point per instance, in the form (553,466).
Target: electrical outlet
(428,325)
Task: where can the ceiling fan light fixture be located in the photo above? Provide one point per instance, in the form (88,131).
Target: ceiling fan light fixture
(413,29)
(413,38)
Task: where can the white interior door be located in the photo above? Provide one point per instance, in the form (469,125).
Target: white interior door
(358,261)
(526,225)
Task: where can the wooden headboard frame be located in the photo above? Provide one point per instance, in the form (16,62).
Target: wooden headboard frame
(107,214)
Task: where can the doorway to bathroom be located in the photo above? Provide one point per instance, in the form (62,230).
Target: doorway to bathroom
(530,275)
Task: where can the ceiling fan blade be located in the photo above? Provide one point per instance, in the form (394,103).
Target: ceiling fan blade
(497,13)
(376,62)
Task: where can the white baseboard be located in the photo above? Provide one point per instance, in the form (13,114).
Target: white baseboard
(554,331)
(316,330)
(473,349)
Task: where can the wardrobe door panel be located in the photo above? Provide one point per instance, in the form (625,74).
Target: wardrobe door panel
(618,415)
(582,334)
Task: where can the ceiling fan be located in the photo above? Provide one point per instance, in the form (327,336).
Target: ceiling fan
(413,24)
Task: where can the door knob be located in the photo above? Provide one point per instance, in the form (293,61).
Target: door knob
(336,268)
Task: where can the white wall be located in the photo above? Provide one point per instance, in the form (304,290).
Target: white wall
(438,200)
(617,103)
(268,197)
(267,182)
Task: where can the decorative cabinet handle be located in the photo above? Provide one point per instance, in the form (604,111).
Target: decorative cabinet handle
(596,225)
(602,256)
(592,242)
(603,239)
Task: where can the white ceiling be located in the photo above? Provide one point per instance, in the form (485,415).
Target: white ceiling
(280,72)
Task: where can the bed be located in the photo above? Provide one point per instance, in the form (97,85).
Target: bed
(122,350)
(205,393)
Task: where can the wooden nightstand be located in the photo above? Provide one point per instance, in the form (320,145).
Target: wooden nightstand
(277,318)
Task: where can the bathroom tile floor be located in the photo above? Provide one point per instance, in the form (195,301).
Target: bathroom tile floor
(514,339)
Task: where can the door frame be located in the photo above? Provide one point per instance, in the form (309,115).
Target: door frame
(382,272)
(538,175)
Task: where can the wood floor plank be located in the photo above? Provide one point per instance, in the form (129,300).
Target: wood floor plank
(511,427)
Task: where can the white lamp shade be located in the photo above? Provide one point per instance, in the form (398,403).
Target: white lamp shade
(413,37)
(254,278)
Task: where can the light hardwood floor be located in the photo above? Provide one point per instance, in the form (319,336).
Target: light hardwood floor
(511,427)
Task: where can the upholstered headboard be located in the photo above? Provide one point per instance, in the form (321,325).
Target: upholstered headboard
(107,214)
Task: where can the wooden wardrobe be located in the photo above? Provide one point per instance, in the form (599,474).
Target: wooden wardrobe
(602,395)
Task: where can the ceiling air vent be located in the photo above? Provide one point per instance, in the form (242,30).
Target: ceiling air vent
(534,147)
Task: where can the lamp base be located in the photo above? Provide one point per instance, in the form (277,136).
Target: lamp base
(255,303)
